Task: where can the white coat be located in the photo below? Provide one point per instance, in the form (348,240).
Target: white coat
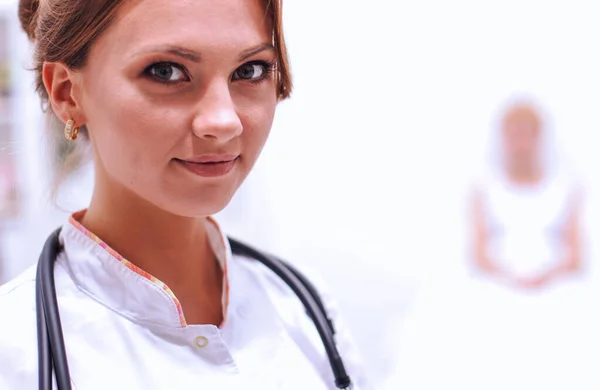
(124,329)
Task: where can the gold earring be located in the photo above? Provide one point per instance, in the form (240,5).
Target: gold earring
(71,131)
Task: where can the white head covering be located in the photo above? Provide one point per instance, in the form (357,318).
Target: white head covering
(548,148)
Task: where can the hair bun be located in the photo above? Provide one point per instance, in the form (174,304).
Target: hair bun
(28,15)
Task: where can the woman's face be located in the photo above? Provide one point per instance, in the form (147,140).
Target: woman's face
(179,97)
(521,140)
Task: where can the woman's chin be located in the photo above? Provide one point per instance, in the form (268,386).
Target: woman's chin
(197,208)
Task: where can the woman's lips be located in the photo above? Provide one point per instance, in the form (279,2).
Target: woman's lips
(210,165)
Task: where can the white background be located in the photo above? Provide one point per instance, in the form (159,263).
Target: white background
(365,174)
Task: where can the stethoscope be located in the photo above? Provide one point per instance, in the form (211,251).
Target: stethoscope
(51,345)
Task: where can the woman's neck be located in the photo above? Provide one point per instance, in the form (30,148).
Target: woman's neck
(172,248)
(525,174)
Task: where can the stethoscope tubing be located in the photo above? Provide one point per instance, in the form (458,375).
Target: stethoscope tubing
(51,346)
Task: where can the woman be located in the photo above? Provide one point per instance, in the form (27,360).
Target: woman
(177,99)
(526,212)
(479,335)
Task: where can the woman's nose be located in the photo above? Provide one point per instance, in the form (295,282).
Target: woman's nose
(217,118)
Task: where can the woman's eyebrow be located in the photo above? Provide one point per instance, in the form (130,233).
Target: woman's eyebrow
(255,50)
(196,57)
(171,49)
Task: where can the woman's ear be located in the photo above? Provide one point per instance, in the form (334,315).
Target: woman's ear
(61,83)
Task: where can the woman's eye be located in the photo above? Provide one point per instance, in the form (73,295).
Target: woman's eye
(167,73)
(250,72)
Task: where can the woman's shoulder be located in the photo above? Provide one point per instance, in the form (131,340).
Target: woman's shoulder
(482,180)
(567,178)
(291,310)
(18,336)
(19,292)
(270,280)
(17,307)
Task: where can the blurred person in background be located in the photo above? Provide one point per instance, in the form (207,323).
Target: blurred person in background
(474,334)
(526,206)
(176,100)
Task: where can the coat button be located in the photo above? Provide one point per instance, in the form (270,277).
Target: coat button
(201,342)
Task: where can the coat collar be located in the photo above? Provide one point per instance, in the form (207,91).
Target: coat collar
(122,286)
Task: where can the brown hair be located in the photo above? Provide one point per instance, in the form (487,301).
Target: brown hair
(64,30)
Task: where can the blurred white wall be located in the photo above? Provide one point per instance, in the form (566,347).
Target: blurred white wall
(365,173)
